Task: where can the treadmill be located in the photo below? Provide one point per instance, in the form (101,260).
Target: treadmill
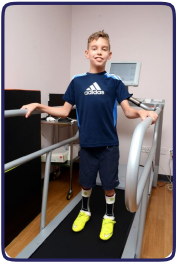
(57,241)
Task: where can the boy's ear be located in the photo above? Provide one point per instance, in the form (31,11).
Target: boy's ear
(86,54)
(110,54)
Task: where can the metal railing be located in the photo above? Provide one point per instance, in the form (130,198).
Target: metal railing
(48,151)
(134,185)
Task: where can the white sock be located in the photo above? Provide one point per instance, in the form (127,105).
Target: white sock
(108,217)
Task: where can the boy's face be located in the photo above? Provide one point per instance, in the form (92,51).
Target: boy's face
(98,53)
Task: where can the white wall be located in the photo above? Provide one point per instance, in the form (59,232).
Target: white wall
(44,48)
(141,33)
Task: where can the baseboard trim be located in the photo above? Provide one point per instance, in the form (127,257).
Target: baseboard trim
(164,178)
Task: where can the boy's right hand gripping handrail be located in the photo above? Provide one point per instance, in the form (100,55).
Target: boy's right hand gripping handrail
(134,188)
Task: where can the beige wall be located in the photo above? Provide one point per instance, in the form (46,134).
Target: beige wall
(44,48)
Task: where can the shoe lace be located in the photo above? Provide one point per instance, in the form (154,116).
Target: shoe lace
(107,225)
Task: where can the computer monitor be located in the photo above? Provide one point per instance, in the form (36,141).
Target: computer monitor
(55,100)
(128,71)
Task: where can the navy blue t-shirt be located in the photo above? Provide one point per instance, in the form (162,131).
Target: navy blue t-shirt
(95,97)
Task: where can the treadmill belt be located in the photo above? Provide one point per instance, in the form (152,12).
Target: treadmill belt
(63,243)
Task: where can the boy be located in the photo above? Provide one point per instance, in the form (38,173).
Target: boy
(95,95)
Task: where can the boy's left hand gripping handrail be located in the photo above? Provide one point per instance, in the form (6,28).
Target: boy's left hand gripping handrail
(24,159)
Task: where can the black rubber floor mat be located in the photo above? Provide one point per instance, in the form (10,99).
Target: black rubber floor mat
(63,243)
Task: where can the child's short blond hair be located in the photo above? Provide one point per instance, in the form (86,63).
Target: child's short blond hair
(97,35)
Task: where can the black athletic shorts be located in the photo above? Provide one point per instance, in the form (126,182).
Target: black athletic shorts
(104,160)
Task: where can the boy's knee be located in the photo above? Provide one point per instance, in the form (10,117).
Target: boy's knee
(109,192)
(85,188)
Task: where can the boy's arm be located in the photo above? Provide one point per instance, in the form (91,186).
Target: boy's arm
(134,113)
(54,111)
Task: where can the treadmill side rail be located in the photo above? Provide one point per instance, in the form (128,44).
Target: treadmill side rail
(134,187)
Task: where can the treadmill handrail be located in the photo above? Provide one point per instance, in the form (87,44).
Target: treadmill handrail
(134,187)
(22,112)
(24,159)
(18,112)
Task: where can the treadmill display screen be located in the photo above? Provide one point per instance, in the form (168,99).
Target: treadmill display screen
(126,71)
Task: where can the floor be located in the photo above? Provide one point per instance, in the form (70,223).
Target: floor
(158,234)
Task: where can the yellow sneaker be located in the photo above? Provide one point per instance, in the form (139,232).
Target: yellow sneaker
(80,221)
(107,229)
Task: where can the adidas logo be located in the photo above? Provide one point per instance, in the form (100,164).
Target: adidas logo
(94,90)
